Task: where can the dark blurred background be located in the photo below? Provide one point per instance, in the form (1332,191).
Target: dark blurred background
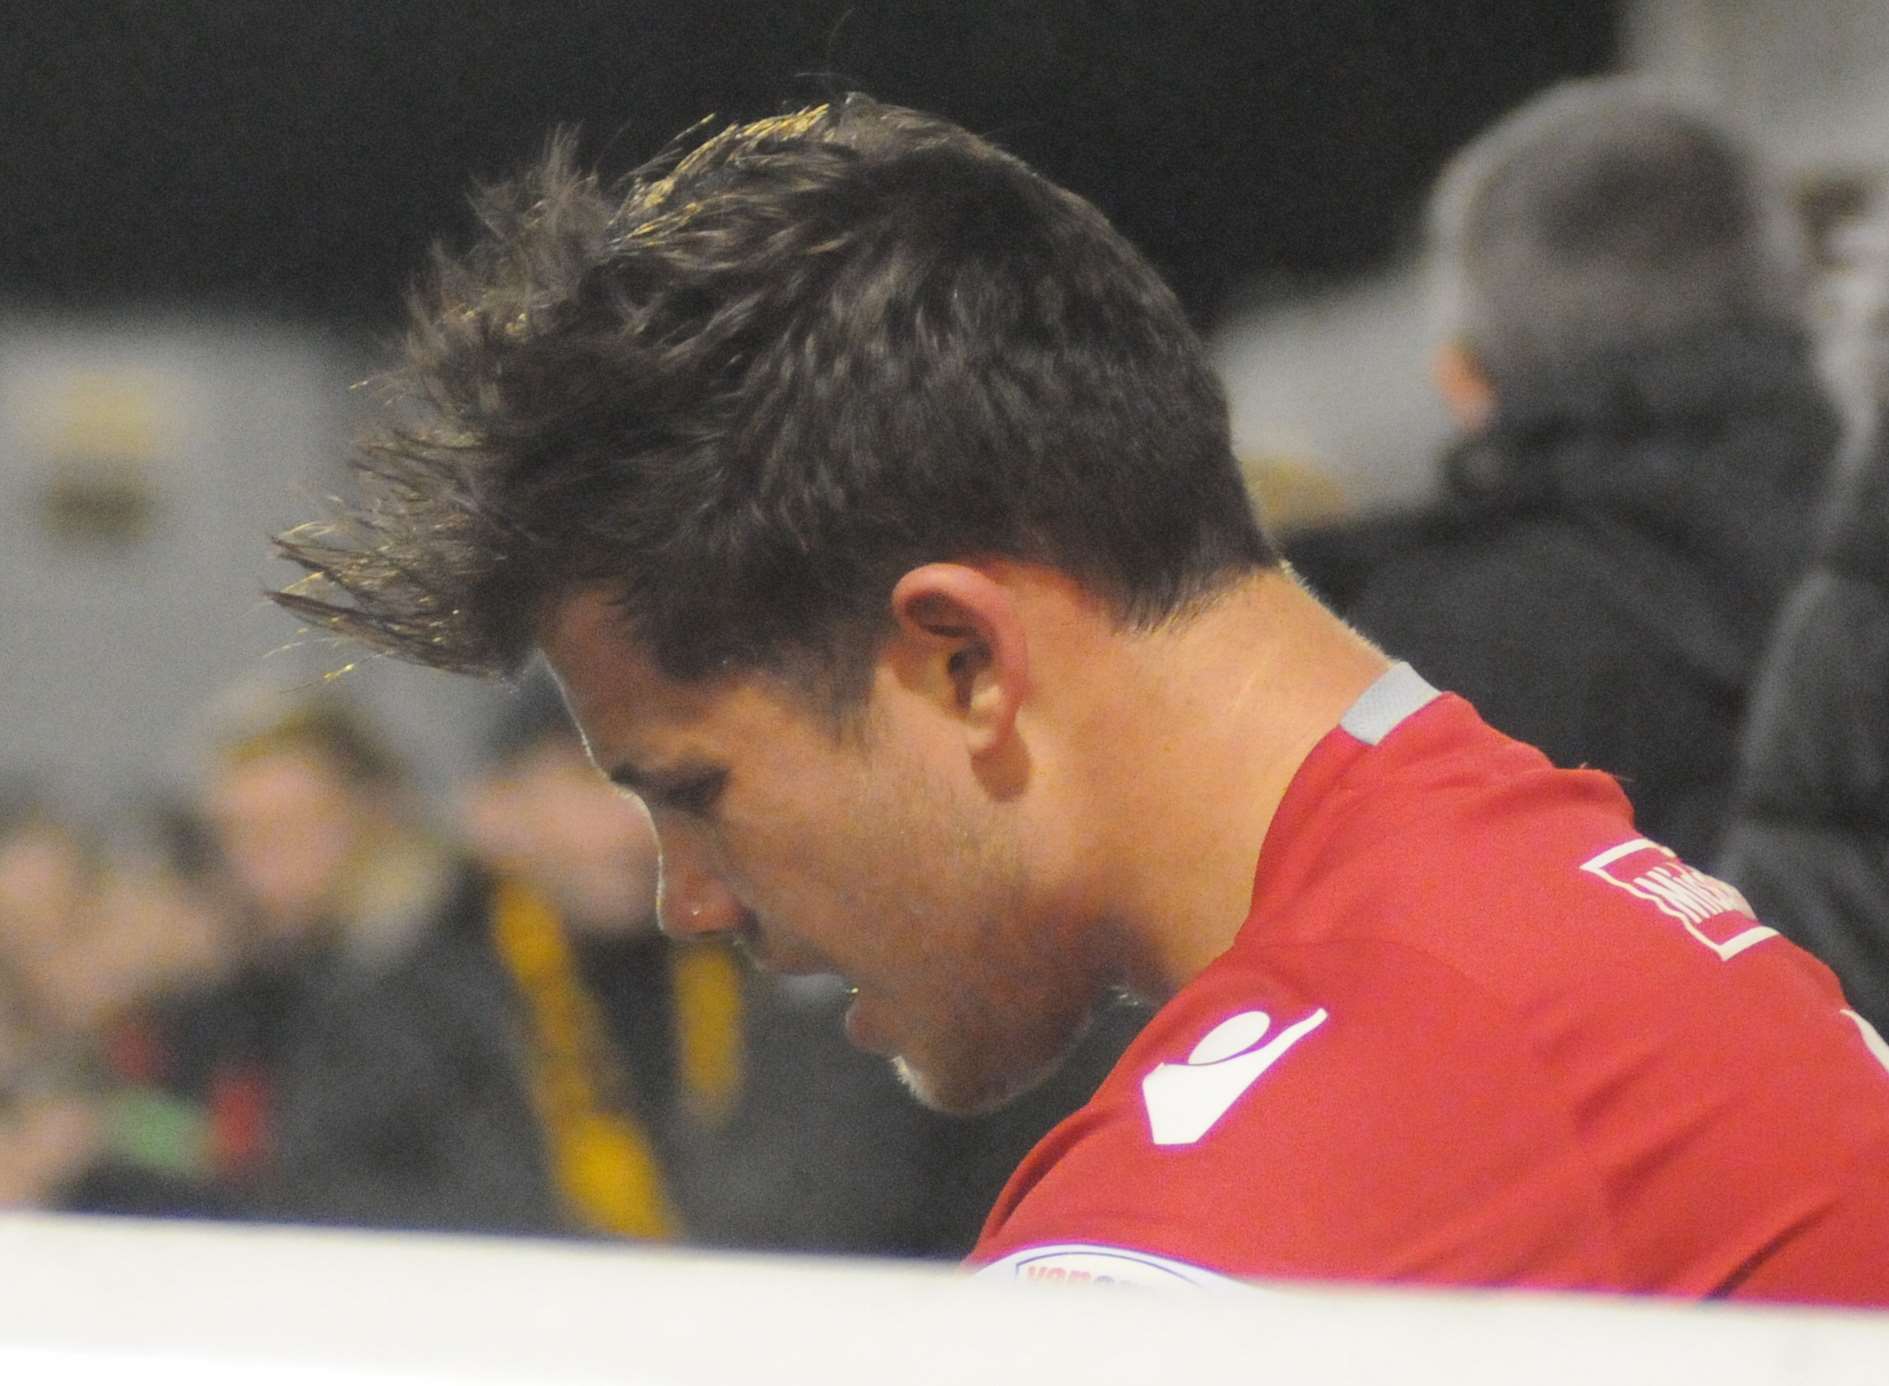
(298,158)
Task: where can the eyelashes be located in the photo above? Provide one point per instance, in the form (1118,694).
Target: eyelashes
(694,796)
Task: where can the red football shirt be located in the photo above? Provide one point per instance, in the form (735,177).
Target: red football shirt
(1477,1031)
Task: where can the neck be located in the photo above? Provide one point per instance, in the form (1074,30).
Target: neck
(1193,747)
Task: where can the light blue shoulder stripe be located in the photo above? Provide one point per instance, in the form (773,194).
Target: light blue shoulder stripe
(1398,692)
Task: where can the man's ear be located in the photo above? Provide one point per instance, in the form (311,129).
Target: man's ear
(1465,388)
(961,641)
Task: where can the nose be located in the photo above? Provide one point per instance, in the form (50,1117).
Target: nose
(692,900)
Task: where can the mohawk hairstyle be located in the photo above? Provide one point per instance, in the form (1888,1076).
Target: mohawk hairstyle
(751,386)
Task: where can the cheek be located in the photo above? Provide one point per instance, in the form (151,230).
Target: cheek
(916,866)
(872,847)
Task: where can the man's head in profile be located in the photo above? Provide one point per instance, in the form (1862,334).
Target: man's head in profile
(820,459)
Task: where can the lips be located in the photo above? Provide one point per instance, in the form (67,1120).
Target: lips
(763,949)
(783,964)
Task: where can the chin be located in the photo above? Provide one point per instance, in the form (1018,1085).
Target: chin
(968,1090)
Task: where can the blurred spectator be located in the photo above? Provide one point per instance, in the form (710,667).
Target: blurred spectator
(160,941)
(572,915)
(1809,840)
(47,872)
(160,918)
(49,1123)
(360,1066)
(1645,440)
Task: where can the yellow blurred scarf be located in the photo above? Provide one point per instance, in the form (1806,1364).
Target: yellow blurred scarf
(602,1158)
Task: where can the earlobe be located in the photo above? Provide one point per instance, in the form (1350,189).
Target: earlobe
(962,640)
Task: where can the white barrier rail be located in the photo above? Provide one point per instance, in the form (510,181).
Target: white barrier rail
(85,1301)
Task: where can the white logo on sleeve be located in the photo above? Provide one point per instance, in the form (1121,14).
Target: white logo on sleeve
(1185,1100)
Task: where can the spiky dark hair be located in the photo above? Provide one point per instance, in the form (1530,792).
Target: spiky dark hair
(751,386)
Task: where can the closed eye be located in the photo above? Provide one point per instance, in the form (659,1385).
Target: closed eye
(691,789)
(695,795)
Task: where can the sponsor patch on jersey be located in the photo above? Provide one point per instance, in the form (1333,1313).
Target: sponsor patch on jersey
(1186,1100)
(1087,1263)
(1713,912)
